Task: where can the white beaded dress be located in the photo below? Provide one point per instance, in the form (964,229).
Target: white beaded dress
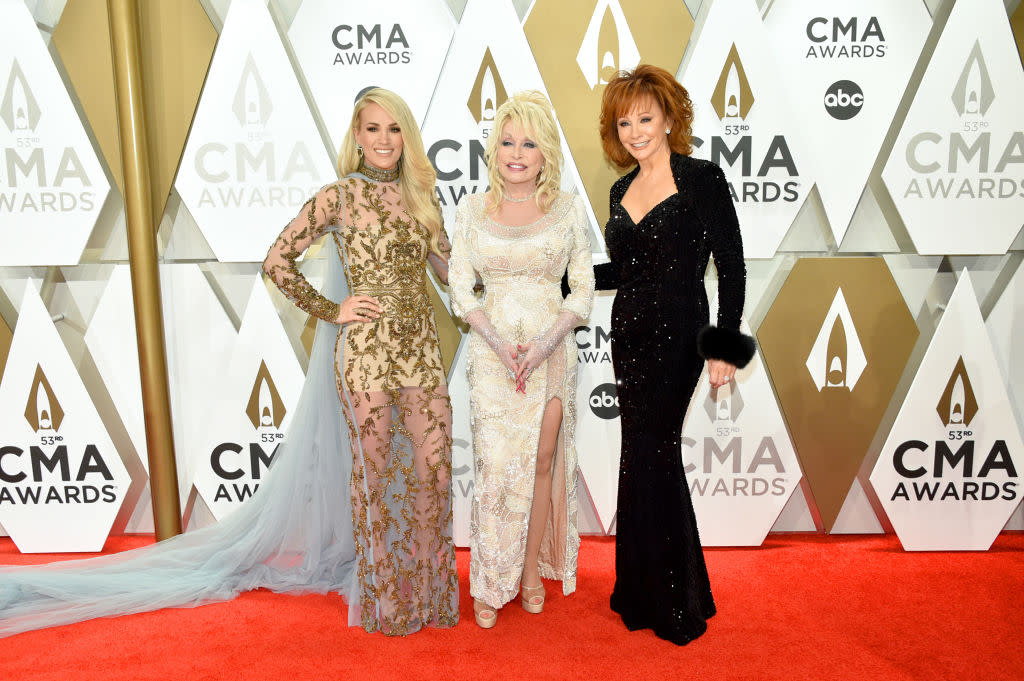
(521,269)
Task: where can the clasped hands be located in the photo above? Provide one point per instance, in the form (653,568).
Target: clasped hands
(520,359)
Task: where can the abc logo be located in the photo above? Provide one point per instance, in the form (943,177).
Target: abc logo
(843,100)
(604,401)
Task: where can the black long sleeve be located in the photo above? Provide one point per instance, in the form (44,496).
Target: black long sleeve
(607,276)
(723,229)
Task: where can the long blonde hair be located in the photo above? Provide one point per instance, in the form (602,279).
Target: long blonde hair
(417,176)
(530,111)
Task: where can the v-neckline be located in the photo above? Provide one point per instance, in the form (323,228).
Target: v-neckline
(653,208)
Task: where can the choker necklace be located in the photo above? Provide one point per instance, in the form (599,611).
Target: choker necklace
(377,174)
(522,200)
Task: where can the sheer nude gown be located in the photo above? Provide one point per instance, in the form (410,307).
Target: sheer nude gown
(521,268)
(392,387)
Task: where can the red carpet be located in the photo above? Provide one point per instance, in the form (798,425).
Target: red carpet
(800,607)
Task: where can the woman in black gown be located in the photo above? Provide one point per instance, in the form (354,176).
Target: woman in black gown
(667,216)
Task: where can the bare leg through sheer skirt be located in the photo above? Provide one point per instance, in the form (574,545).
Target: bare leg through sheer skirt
(401,507)
(540,511)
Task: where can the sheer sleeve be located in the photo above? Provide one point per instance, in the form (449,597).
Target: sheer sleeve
(461,275)
(318,215)
(439,263)
(580,273)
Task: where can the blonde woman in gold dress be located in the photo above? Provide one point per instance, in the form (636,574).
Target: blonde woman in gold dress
(519,238)
(386,228)
(386,543)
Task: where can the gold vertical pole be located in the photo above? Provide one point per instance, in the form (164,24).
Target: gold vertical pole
(142,255)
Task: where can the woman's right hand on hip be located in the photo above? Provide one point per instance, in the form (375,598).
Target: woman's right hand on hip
(359,309)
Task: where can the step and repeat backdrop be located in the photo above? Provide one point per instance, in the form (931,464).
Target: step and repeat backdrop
(875,154)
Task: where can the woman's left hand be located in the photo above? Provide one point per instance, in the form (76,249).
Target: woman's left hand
(720,372)
(531,356)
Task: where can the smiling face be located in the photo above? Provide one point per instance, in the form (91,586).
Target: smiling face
(519,160)
(380,136)
(642,130)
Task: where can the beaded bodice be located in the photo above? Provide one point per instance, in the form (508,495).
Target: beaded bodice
(665,255)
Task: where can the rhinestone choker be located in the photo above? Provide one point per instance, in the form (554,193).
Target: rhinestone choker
(522,200)
(377,174)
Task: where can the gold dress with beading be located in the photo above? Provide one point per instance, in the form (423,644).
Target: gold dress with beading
(521,268)
(392,387)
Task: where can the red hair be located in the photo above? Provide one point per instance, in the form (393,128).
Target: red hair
(626,90)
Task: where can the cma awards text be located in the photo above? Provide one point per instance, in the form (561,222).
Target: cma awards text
(368,45)
(44,468)
(258,462)
(910,459)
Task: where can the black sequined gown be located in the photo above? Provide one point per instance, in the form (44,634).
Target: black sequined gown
(658,268)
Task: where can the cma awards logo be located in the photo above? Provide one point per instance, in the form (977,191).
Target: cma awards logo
(608,46)
(837,359)
(927,475)
(232,173)
(251,105)
(958,404)
(363,45)
(973,93)
(724,405)
(732,97)
(940,157)
(845,38)
(265,410)
(732,100)
(715,470)
(26,163)
(19,109)
(485,95)
(43,412)
(45,476)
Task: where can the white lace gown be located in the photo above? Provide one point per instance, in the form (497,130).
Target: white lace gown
(521,268)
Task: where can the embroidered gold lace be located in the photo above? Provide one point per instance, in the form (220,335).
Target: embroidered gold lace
(391,382)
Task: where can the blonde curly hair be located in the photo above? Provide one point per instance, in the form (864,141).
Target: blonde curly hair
(530,111)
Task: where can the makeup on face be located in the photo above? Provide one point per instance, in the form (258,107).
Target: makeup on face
(642,131)
(519,160)
(380,137)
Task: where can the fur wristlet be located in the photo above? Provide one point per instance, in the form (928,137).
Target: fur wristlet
(727,345)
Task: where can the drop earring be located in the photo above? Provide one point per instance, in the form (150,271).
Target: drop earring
(359,150)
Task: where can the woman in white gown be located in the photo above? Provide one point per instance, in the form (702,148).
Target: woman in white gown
(519,238)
